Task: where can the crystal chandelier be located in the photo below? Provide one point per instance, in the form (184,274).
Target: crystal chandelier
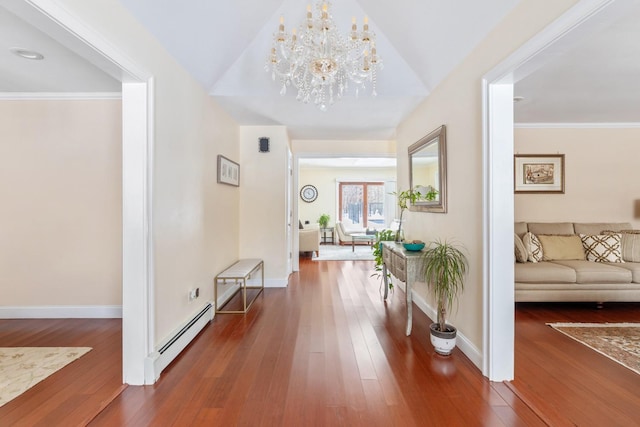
(320,62)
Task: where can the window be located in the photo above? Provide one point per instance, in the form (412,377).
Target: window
(362,204)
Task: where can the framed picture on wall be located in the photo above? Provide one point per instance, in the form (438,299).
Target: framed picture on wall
(228,171)
(539,173)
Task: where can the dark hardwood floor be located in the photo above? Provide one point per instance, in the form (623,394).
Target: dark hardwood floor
(328,351)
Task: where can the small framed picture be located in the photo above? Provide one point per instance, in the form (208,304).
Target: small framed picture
(228,171)
(539,173)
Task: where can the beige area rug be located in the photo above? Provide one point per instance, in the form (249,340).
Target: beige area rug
(23,367)
(344,253)
(618,341)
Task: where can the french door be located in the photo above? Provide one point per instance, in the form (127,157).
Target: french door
(361,204)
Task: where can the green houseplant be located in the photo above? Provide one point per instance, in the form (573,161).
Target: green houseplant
(382,235)
(445,267)
(411,196)
(324,220)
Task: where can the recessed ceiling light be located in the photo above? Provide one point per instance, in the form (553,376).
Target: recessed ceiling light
(26,53)
(518,98)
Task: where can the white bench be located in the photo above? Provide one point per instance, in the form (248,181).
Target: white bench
(238,274)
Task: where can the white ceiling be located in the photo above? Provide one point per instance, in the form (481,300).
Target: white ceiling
(224,45)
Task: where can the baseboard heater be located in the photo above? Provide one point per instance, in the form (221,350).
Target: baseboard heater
(160,359)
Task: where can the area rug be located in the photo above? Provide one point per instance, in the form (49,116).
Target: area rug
(23,367)
(344,253)
(618,341)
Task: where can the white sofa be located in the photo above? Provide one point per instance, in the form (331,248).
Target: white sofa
(309,239)
(576,280)
(344,233)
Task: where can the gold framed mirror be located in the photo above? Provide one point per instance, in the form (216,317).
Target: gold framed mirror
(428,170)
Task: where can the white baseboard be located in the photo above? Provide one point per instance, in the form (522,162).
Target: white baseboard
(462,342)
(276,283)
(62,312)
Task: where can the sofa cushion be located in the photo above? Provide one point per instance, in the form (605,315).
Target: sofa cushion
(520,251)
(544,272)
(561,247)
(533,246)
(558,228)
(602,247)
(597,272)
(633,267)
(599,227)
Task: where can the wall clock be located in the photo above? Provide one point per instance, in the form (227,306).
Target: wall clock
(309,193)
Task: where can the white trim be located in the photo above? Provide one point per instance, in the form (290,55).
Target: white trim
(628,125)
(498,318)
(36,96)
(137,261)
(62,312)
(276,283)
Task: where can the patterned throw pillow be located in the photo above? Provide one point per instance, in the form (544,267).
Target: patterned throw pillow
(520,250)
(602,247)
(533,246)
(630,244)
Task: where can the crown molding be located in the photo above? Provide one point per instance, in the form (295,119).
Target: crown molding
(625,125)
(31,96)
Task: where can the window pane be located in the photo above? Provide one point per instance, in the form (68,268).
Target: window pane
(375,208)
(352,195)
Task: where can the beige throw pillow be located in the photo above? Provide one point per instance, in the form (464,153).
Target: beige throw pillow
(533,246)
(561,247)
(602,247)
(520,250)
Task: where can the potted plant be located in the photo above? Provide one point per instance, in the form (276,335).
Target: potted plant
(411,196)
(444,267)
(324,220)
(382,235)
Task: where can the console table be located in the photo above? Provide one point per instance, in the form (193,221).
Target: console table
(238,274)
(406,266)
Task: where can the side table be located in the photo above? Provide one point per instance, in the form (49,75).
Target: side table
(325,238)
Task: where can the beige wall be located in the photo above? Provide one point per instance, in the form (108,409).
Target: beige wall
(602,177)
(263,200)
(60,186)
(325,180)
(457,103)
(195,220)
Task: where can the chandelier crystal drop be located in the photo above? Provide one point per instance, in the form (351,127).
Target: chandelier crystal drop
(320,62)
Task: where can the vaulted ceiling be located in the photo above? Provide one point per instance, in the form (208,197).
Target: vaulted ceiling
(224,45)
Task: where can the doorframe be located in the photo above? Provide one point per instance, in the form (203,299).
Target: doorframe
(498,149)
(137,175)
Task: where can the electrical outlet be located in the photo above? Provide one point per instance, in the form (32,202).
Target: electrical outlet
(194,293)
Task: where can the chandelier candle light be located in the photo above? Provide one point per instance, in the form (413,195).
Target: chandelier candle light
(320,62)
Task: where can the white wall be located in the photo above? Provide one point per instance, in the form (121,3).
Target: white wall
(61,193)
(602,177)
(457,103)
(263,196)
(325,180)
(195,220)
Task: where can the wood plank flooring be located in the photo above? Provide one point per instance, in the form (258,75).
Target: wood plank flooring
(73,395)
(327,351)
